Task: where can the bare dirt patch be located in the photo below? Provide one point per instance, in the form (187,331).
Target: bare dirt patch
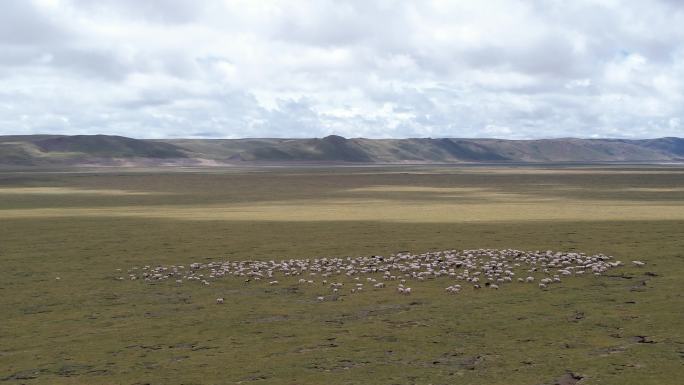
(568,379)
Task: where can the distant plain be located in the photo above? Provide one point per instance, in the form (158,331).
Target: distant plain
(81,225)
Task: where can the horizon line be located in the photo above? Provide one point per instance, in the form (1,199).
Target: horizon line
(344,137)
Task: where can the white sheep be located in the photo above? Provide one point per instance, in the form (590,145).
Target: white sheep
(492,267)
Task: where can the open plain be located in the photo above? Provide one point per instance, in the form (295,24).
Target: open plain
(68,236)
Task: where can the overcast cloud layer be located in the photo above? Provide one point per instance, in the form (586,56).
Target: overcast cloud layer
(507,69)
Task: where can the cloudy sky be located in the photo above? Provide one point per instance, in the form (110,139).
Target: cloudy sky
(256,68)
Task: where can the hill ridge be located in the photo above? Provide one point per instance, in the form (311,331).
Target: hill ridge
(28,150)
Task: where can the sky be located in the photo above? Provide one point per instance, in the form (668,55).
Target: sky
(376,69)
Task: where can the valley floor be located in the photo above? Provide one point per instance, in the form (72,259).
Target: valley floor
(88,327)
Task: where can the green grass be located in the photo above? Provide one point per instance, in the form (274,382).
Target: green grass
(89,328)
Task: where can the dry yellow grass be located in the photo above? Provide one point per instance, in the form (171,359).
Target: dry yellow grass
(382,210)
(656,189)
(572,171)
(418,189)
(456,193)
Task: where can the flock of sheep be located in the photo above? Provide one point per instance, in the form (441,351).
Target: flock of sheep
(480,268)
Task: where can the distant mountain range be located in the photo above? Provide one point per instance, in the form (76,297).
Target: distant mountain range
(44,150)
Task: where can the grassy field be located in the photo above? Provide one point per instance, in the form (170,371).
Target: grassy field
(87,327)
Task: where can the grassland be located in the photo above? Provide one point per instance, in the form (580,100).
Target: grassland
(89,328)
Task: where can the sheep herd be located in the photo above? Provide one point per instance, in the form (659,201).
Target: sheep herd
(480,268)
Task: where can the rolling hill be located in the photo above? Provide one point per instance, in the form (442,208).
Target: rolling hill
(39,150)
(80,149)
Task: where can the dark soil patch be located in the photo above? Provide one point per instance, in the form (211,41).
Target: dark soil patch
(644,340)
(568,378)
(578,316)
(30,374)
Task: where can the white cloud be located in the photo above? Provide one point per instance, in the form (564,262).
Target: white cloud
(175,68)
